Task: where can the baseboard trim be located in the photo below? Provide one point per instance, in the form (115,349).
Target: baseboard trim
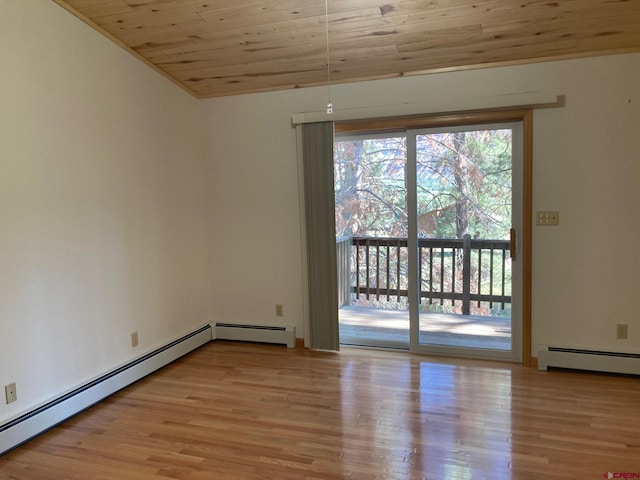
(279,334)
(31,424)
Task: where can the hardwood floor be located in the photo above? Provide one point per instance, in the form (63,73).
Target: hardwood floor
(246,411)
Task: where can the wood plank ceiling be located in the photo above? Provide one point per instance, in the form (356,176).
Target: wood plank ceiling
(224,47)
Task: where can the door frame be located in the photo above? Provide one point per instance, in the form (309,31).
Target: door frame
(478,118)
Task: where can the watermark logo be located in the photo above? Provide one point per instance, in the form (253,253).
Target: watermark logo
(621,475)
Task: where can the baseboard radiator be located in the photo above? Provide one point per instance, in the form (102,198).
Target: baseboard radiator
(592,360)
(31,424)
(281,334)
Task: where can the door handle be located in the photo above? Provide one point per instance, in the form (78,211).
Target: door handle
(512,243)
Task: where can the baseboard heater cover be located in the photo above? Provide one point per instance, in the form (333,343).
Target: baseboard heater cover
(280,334)
(31,424)
(593,360)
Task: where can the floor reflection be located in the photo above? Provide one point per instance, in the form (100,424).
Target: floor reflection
(447,421)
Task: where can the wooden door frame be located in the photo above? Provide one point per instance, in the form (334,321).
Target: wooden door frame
(477,118)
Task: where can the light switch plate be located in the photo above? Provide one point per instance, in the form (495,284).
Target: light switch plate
(548,218)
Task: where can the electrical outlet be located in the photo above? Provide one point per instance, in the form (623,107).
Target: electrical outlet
(11,393)
(548,218)
(279,310)
(622,331)
(134,339)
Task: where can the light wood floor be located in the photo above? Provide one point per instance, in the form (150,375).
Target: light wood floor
(243,411)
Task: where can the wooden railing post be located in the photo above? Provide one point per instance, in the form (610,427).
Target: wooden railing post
(466,274)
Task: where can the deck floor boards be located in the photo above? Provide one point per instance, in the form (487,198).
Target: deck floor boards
(385,327)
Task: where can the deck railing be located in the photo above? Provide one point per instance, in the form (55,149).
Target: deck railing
(460,271)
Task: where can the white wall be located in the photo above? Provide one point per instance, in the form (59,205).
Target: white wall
(585,272)
(255,210)
(103,207)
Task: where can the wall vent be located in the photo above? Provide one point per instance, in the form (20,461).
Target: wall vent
(593,360)
(281,334)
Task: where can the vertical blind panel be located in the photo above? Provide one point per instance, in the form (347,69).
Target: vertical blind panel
(317,154)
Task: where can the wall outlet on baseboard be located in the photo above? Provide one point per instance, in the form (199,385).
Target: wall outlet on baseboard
(279,310)
(622,331)
(10,392)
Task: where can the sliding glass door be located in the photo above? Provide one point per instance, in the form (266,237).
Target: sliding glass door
(427,224)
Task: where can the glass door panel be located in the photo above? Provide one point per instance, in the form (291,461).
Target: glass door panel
(371,239)
(464,213)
